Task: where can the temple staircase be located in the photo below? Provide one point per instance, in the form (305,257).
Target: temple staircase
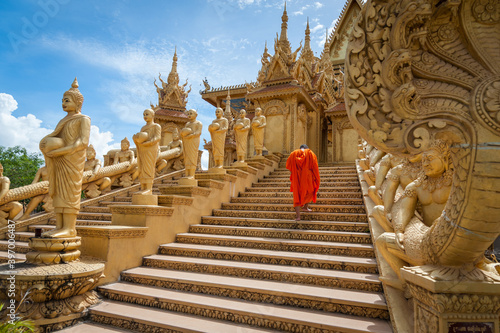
(250,267)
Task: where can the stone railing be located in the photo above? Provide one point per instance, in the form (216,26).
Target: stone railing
(120,175)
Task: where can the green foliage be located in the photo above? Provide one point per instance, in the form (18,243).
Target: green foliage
(19,165)
(17,325)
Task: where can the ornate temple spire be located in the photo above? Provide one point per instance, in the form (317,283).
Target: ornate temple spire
(173,77)
(283,40)
(307,53)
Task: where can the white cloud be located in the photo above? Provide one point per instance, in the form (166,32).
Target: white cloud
(102,141)
(317,28)
(301,10)
(318,5)
(321,37)
(25,131)
(204,160)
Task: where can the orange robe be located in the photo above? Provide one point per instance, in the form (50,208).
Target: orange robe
(304,176)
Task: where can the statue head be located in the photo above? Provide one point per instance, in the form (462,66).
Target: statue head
(90,152)
(125,144)
(435,160)
(192,114)
(149,115)
(243,113)
(73,98)
(258,111)
(219,112)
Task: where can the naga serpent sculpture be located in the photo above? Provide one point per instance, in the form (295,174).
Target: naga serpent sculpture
(422,70)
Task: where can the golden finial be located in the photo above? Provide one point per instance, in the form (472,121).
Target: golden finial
(75,94)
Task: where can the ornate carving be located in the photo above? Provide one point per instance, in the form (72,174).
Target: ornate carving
(112,233)
(408,82)
(141,210)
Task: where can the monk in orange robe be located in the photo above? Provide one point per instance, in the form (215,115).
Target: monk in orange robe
(304,177)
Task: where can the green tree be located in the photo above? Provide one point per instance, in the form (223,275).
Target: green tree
(19,165)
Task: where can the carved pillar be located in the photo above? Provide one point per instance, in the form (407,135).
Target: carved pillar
(285,130)
(334,140)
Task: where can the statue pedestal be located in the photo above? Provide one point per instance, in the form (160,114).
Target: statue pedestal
(59,295)
(144,199)
(239,164)
(455,306)
(221,171)
(49,251)
(188,181)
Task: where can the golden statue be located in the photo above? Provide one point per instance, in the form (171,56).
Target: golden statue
(147,142)
(402,174)
(11,209)
(258,127)
(94,165)
(241,128)
(125,154)
(64,151)
(176,141)
(41,175)
(190,135)
(218,129)
(430,192)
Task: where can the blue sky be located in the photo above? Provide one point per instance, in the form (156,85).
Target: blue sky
(117,48)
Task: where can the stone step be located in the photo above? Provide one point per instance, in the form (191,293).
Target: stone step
(287,224)
(282,169)
(308,216)
(284,319)
(289,201)
(347,301)
(94,216)
(309,235)
(298,259)
(146,319)
(327,167)
(340,184)
(24,236)
(95,209)
(107,203)
(90,327)
(316,208)
(123,199)
(280,244)
(80,221)
(18,257)
(283,175)
(335,189)
(44,227)
(330,195)
(20,247)
(301,275)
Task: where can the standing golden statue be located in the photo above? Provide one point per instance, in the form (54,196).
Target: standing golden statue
(147,142)
(218,129)
(241,128)
(65,152)
(258,128)
(191,141)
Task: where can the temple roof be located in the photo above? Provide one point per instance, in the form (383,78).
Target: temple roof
(171,115)
(336,43)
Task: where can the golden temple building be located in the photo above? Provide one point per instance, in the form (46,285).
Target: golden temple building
(301,95)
